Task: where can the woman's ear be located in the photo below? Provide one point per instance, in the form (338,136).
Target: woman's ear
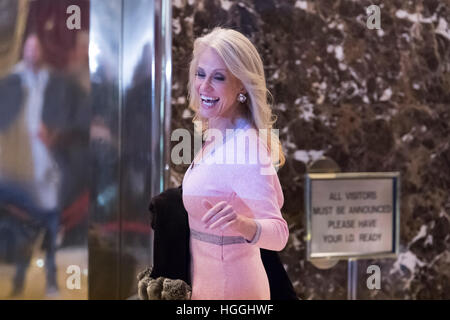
(241,87)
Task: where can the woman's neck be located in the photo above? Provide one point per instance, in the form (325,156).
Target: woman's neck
(223,123)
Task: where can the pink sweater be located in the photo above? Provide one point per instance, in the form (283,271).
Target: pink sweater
(224,265)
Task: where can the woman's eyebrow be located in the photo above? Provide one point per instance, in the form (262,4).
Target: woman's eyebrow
(214,70)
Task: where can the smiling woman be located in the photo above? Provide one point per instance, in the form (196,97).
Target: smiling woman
(227,82)
(233,208)
(216,86)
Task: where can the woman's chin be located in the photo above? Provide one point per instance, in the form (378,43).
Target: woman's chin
(208,112)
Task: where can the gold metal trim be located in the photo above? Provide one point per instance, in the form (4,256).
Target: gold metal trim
(10,56)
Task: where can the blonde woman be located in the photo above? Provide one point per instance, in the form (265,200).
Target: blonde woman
(231,190)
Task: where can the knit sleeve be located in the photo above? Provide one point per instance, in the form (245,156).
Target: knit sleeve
(258,186)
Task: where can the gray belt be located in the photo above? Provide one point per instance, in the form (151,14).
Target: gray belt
(215,239)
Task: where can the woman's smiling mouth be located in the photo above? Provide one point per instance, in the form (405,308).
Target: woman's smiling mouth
(208,102)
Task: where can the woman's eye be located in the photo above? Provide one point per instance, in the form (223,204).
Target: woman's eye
(200,75)
(219,78)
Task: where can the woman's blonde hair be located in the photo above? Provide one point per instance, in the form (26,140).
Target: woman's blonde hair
(243,61)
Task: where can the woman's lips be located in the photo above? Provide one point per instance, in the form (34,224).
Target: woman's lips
(208,102)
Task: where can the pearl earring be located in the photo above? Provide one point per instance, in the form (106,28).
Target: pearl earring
(241,98)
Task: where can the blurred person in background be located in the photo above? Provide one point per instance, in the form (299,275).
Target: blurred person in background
(41,120)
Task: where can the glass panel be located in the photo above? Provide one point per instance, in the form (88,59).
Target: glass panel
(125,66)
(104,225)
(84,87)
(44,147)
(137,120)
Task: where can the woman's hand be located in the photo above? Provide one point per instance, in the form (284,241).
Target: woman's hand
(223,216)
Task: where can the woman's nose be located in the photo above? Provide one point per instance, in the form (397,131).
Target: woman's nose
(206,85)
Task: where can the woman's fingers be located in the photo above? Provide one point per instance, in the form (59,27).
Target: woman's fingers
(228,224)
(225,216)
(219,215)
(208,205)
(213,211)
(228,209)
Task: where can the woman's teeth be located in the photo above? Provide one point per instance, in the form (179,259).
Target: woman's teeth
(209,101)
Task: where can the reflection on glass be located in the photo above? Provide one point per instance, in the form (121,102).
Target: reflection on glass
(104,225)
(44,144)
(119,228)
(78,161)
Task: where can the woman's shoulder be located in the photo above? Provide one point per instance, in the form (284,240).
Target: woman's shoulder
(247,150)
(252,139)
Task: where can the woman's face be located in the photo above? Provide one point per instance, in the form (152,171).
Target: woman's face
(217,88)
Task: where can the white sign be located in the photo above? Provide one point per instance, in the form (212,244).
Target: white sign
(352,215)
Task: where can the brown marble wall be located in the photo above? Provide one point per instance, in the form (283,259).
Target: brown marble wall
(373,100)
